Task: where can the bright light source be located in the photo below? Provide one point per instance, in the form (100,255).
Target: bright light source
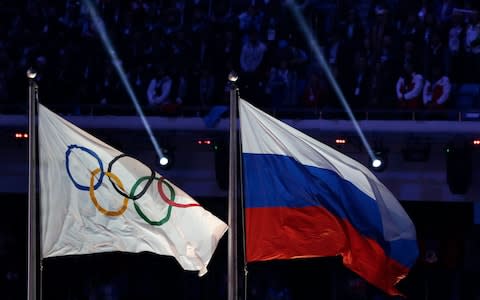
(476,142)
(376,163)
(204,142)
(380,161)
(21,135)
(164,161)
(340,141)
(232,76)
(31,73)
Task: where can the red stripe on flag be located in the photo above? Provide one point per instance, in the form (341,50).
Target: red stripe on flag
(287,233)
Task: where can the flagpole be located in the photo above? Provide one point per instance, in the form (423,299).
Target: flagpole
(232,193)
(32,187)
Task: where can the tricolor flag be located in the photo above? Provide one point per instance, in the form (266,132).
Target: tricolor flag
(305,199)
(96,199)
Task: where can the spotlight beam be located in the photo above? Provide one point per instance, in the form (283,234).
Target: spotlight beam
(100,27)
(307,32)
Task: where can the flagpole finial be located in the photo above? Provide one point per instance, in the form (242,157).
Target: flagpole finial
(232,76)
(31,73)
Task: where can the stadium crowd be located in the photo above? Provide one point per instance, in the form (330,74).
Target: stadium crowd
(390,54)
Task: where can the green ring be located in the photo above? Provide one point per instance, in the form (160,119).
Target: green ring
(139,210)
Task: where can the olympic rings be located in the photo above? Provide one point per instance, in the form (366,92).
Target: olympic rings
(67,163)
(139,210)
(121,192)
(118,186)
(110,213)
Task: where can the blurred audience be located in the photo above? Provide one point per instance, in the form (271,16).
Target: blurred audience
(436,91)
(159,89)
(409,88)
(366,43)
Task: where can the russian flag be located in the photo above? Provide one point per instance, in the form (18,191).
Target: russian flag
(305,199)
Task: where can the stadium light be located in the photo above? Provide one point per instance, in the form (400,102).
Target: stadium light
(166,161)
(380,161)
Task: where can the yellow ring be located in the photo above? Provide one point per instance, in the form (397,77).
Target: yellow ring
(110,213)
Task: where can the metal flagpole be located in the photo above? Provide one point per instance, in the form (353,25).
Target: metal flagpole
(32,187)
(232,193)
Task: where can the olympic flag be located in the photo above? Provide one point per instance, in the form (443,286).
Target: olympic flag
(96,199)
(304,199)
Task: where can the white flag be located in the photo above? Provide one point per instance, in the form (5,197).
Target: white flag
(96,199)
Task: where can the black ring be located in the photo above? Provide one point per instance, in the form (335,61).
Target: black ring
(142,192)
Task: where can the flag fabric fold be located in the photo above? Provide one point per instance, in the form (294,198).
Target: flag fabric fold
(95,198)
(305,199)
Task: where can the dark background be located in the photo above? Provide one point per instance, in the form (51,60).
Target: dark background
(446,228)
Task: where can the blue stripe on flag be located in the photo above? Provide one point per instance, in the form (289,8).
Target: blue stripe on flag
(273,180)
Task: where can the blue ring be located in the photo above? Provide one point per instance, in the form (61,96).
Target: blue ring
(79,186)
